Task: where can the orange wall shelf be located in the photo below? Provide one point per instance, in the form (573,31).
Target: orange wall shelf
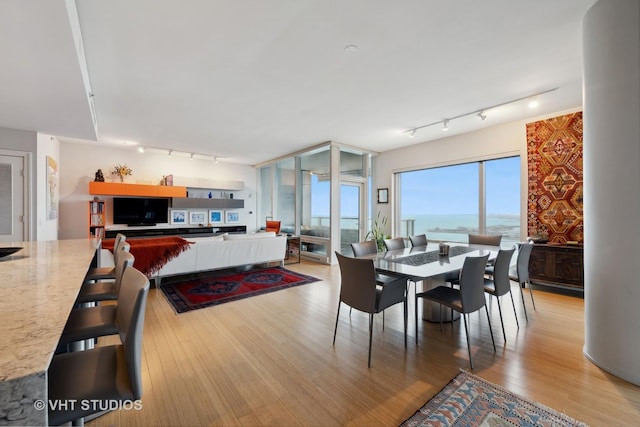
(124,189)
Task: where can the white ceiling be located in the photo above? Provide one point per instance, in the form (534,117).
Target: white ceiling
(251,80)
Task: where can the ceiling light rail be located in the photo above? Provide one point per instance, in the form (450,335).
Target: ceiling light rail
(481,113)
(172,152)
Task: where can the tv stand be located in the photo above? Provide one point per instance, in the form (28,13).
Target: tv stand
(132,232)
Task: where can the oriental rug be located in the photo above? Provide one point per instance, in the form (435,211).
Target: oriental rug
(214,289)
(469,400)
(151,254)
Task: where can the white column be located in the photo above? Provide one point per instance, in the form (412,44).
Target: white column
(611,69)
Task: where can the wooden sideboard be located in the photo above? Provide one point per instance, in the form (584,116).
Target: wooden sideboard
(557,265)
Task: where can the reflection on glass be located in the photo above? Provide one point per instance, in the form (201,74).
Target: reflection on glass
(265,193)
(444,203)
(286,191)
(316,187)
(349,217)
(6,202)
(440,202)
(502,183)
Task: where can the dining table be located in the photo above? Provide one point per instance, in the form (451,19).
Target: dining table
(426,265)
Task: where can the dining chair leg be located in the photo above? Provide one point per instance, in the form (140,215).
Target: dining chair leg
(466,330)
(406,315)
(490,328)
(504,334)
(524,306)
(336,328)
(515,312)
(531,293)
(370,336)
(383,320)
(416,316)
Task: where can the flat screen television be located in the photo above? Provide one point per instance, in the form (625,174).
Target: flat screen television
(140,210)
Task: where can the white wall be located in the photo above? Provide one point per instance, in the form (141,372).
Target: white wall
(79,162)
(46,229)
(498,141)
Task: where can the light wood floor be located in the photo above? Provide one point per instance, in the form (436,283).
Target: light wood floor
(269,360)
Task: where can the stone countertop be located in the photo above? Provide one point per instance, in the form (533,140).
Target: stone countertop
(38,287)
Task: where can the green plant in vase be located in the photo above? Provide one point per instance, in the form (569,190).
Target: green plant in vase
(377,232)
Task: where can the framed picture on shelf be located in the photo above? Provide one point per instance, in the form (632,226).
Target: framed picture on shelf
(197,217)
(178,216)
(216,217)
(232,217)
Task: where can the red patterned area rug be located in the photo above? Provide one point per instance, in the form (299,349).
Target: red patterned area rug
(469,400)
(214,289)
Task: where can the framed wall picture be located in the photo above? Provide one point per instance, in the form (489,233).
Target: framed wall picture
(232,217)
(216,217)
(383,195)
(197,217)
(178,216)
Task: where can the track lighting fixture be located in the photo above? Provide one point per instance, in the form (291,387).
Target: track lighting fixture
(170,152)
(481,113)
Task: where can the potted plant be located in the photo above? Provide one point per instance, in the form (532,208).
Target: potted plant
(377,232)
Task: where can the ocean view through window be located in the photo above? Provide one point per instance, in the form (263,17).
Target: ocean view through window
(445,202)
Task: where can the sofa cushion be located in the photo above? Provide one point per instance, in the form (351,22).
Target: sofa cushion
(267,234)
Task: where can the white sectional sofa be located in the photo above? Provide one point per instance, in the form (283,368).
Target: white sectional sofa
(231,250)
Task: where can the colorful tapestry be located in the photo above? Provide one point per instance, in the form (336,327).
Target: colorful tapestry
(469,400)
(554,154)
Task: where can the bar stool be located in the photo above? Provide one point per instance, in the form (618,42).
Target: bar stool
(106,290)
(102,273)
(86,323)
(110,373)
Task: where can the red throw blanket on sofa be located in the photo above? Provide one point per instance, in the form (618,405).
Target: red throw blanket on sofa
(152,253)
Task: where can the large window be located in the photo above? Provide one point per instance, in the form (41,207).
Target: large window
(446,202)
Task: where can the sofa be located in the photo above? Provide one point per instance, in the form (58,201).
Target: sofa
(229,250)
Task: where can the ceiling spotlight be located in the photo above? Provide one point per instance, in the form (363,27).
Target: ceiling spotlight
(445,125)
(350,48)
(215,159)
(141,149)
(170,153)
(482,115)
(533,102)
(412,133)
(191,156)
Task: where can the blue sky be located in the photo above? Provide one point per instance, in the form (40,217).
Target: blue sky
(445,190)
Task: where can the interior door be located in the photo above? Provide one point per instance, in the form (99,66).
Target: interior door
(351,214)
(11,198)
